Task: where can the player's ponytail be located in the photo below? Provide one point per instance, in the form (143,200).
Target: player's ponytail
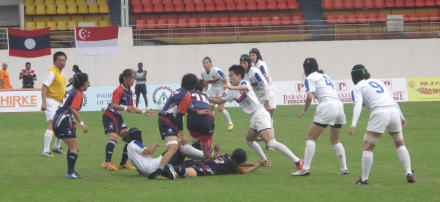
(79,80)
(358,73)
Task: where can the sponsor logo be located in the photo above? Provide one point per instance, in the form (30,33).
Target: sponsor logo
(161,95)
(388,84)
(20,101)
(342,86)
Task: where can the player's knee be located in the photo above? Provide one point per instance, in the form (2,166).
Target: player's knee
(371,139)
(249,143)
(397,139)
(272,143)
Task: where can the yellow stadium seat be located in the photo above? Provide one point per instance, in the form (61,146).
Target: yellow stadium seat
(41,18)
(41,10)
(61,9)
(103,8)
(106,17)
(58,18)
(62,25)
(71,25)
(29,2)
(60,2)
(72,9)
(70,2)
(30,25)
(30,10)
(52,25)
(39,2)
(77,18)
(101,2)
(40,25)
(49,2)
(104,23)
(81,2)
(83,9)
(51,9)
(93,8)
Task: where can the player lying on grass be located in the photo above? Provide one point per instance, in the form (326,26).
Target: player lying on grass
(242,93)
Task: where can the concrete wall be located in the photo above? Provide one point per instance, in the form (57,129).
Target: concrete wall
(167,64)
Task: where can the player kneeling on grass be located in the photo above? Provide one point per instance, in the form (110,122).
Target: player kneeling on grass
(385,115)
(222,165)
(242,93)
(65,127)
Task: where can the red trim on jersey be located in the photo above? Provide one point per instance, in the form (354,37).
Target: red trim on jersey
(77,101)
(117,95)
(168,122)
(205,138)
(109,114)
(243,95)
(184,103)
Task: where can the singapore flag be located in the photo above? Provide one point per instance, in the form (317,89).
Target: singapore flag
(96,40)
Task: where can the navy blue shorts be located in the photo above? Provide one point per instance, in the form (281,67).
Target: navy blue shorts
(168,126)
(198,167)
(65,130)
(113,123)
(204,124)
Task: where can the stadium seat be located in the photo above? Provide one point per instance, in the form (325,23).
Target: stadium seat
(389,3)
(210,6)
(137,8)
(30,25)
(167,1)
(348,4)
(81,2)
(179,7)
(420,3)
(200,7)
(182,22)
(49,2)
(141,24)
(399,3)
(255,21)
(72,9)
(369,4)
(103,8)
(72,24)
(99,2)
(341,19)
(261,5)
(276,20)
(203,22)
(30,10)
(430,3)
(286,20)
(213,22)
(172,23)
(188,1)
(292,4)
(351,18)
(434,16)
(93,8)
(39,2)
(59,2)
(61,25)
(61,9)
(437,2)
(220,6)
(40,24)
(413,17)
(245,21)
(372,18)
(51,9)
(29,2)
(251,5)
(331,19)
(328,5)
(382,17)
(177,1)
(282,4)
(338,4)
(133,2)
(265,21)
(83,9)
(161,23)
(168,7)
(151,24)
(241,6)
(190,7)
(224,21)
(272,5)
(104,23)
(40,9)
(147,2)
(193,22)
(424,17)
(362,18)
(359,4)
(234,21)
(379,4)
(70,2)
(231,6)
(297,20)
(52,25)
(158,7)
(148,8)
(409,3)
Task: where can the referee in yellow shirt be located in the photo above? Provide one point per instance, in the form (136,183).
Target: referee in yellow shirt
(52,93)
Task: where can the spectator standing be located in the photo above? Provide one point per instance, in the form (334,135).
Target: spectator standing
(28,75)
(5,82)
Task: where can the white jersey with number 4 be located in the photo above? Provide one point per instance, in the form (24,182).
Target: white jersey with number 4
(322,87)
(246,99)
(215,77)
(144,163)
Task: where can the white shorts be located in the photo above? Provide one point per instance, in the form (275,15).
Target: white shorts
(272,101)
(384,118)
(149,165)
(261,120)
(52,106)
(330,113)
(216,91)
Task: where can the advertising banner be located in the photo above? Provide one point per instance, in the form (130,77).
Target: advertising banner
(20,100)
(424,89)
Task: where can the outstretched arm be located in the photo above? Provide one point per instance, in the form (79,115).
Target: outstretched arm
(256,165)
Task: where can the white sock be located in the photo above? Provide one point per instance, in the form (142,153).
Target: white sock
(226,115)
(57,143)
(309,153)
(404,158)
(191,152)
(367,162)
(257,149)
(283,149)
(273,129)
(340,153)
(47,139)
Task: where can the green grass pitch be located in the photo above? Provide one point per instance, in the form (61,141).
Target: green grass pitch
(26,176)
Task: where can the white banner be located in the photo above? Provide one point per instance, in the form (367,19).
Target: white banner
(20,101)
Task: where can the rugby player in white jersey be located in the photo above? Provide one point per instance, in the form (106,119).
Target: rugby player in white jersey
(216,78)
(330,111)
(241,92)
(385,115)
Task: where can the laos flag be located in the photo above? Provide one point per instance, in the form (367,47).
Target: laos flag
(29,43)
(96,40)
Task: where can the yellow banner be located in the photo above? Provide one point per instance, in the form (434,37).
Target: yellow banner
(424,89)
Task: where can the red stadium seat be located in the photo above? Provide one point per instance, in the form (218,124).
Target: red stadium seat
(282,4)
(141,24)
(172,23)
(231,6)
(331,19)
(203,22)
(241,6)
(213,22)
(352,19)
(200,7)
(251,5)
(359,4)
(169,7)
(234,21)
(193,22)
(286,20)
(148,8)
(430,3)
(276,20)
(198,1)
(158,7)
(328,5)
(179,7)
(362,18)
(265,21)
(261,5)
(399,3)
(151,24)
(382,17)
(138,8)
(341,19)
(272,5)
(409,3)
(188,1)
(405,17)
(297,20)
(369,4)
(435,16)
(134,2)
(389,3)
(147,1)
(245,21)
(177,1)
(292,4)
(379,4)
(157,1)
(220,6)
(348,4)
(372,18)
(339,4)
(208,1)
(437,2)
(420,3)
(182,22)
(413,17)
(190,7)
(162,23)
(255,21)
(167,1)
(424,17)
(210,6)
(224,21)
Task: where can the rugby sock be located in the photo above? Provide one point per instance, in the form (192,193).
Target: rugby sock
(283,149)
(367,162)
(226,115)
(257,149)
(109,150)
(71,160)
(308,154)
(47,139)
(404,158)
(191,152)
(57,143)
(124,155)
(340,153)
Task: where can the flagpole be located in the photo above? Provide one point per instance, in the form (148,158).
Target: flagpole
(300,88)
